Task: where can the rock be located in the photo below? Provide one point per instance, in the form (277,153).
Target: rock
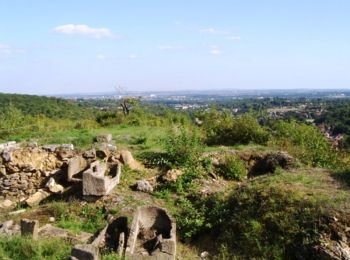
(65,154)
(85,252)
(90,154)
(6,156)
(112,148)
(8,228)
(171,175)
(30,228)
(143,186)
(204,254)
(129,160)
(69,147)
(104,138)
(53,186)
(102,150)
(2,171)
(76,165)
(37,197)
(52,219)
(50,147)
(49,231)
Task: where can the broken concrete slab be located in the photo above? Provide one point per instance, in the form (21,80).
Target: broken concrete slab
(37,197)
(85,252)
(96,183)
(30,228)
(75,166)
(152,235)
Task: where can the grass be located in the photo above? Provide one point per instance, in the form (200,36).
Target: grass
(72,216)
(18,248)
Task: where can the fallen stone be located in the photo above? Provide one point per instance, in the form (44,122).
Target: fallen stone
(102,150)
(76,165)
(90,154)
(30,228)
(6,204)
(67,147)
(129,160)
(85,252)
(104,138)
(53,186)
(144,186)
(51,147)
(37,197)
(171,175)
(2,171)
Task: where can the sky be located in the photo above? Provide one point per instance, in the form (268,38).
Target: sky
(86,46)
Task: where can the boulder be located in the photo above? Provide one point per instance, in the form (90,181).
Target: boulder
(53,186)
(171,175)
(129,160)
(144,186)
(37,197)
(104,138)
(85,252)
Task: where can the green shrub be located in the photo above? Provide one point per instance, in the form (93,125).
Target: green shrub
(229,130)
(305,142)
(183,147)
(233,168)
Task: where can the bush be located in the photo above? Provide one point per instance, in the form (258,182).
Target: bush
(228,130)
(183,147)
(305,142)
(233,168)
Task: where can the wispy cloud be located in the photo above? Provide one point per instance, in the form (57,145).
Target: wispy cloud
(101,56)
(212,30)
(234,38)
(215,50)
(4,48)
(85,30)
(7,49)
(132,56)
(171,47)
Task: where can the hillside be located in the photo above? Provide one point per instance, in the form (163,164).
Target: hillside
(50,107)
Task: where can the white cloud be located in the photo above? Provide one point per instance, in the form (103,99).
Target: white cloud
(84,30)
(7,49)
(212,30)
(234,38)
(215,50)
(132,56)
(171,47)
(101,57)
(4,48)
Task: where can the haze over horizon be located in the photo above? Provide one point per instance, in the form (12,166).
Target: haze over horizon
(51,47)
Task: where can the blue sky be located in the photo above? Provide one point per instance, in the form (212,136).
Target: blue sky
(53,47)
